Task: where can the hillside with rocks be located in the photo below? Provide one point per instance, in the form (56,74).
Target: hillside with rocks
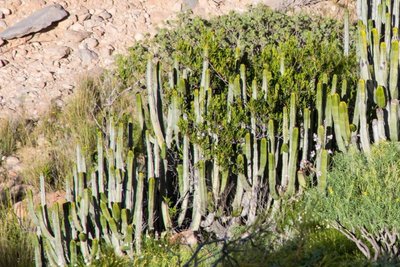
(43,67)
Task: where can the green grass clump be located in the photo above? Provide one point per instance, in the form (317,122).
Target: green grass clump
(14,133)
(16,247)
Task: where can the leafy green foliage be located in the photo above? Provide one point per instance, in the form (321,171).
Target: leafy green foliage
(363,190)
(260,39)
(363,193)
(290,53)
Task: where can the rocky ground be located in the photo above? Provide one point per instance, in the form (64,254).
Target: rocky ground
(43,68)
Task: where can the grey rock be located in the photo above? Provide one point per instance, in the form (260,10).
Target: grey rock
(76,36)
(5,11)
(36,22)
(3,63)
(87,55)
(57,52)
(105,15)
(189,4)
(91,42)
(11,162)
(3,24)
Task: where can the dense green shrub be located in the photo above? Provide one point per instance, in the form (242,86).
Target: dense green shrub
(362,199)
(261,39)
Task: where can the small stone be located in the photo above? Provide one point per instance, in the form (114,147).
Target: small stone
(5,11)
(11,162)
(2,15)
(77,27)
(91,42)
(139,36)
(105,15)
(2,42)
(99,31)
(57,52)
(87,55)
(3,24)
(83,14)
(3,63)
(75,36)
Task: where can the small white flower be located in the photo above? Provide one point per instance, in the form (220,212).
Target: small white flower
(312,154)
(330,137)
(315,137)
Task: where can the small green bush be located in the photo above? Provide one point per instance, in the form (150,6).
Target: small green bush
(362,199)
(261,39)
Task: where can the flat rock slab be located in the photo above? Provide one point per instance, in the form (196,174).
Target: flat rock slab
(36,22)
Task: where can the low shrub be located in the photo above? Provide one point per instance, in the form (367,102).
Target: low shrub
(293,51)
(362,200)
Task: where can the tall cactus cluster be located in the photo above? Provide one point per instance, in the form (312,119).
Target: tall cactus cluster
(209,159)
(175,163)
(378,55)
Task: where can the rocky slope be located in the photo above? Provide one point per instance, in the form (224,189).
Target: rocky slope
(44,67)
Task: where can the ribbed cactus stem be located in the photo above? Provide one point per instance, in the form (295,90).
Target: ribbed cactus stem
(138,219)
(265,82)
(56,227)
(185,180)
(236,205)
(119,162)
(380,97)
(346,38)
(306,127)
(151,203)
(381,124)
(294,141)
(271,136)
(244,85)
(322,171)
(375,51)
(363,57)
(272,175)
(328,112)
(396,10)
(263,156)
(393,120)
(100,162)
(248,152)
(394,68)
(388,29)
(337,120)
(285,148)
(38,252)
(152,100)
(344,123)
(319,102)
(129,194)
(362,103)
(383,66)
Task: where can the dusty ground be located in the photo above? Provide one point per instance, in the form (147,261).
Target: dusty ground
(42,68)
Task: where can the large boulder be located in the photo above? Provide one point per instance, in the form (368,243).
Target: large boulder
(36,22)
